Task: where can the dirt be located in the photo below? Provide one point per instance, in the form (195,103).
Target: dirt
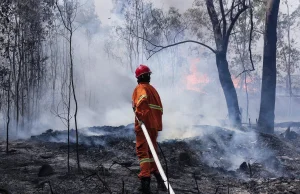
(203,164)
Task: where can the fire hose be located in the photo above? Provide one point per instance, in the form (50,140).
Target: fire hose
(155,157)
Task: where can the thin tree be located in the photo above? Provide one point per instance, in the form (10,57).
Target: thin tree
(70,8)
(288,55)
(8,112)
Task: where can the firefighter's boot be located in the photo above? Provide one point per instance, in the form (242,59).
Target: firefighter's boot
(160,182)
(145,185)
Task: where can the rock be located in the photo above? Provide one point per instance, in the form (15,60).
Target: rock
(45,170)
(185,159)
(244,167)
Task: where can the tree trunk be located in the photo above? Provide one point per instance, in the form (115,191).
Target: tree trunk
(289,59)
(228,89)
(268,90)
(8,118)
(222,41)
(75,99)
(69,114)
(68,122)
(247,96)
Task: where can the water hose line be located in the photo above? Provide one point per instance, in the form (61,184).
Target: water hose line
(155,157)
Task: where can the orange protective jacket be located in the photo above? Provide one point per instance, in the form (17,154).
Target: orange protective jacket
(147,106)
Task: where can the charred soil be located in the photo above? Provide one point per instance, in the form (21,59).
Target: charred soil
(219,161)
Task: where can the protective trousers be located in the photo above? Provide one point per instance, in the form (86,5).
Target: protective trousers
(147,163)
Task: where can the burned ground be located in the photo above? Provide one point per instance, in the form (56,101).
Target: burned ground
(219,161)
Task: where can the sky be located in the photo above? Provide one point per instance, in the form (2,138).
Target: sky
(103,7)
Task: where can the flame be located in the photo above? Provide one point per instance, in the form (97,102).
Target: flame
(239,82)
(236,82)
(196,81)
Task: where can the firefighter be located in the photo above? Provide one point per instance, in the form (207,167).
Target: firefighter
(148,109)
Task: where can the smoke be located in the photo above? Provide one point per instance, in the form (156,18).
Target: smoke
(236,148)
(104,85)
(166,4)
(90,136)
(103,88)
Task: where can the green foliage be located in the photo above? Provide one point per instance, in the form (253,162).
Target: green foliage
(239,47)
(24,28)
(288,54)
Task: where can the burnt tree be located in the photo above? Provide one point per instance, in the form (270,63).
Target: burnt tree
(222,36)
(268,90)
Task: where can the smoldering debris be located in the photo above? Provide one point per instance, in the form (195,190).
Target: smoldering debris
(218,160)
(228,149)
(92,136)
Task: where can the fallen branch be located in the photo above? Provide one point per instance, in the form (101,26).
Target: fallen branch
(102,169)
(122,164)
(93,174)
(166,167)
(104,184)
(184,191)
(101,180)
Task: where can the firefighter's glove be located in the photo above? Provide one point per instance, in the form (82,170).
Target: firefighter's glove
(133,106)
(140,123)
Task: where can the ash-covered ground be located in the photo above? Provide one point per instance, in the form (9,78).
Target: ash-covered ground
(217,161)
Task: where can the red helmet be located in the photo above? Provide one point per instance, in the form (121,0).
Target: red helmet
(142,69)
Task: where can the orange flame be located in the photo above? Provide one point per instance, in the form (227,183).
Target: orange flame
(238,83)
(196,80)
